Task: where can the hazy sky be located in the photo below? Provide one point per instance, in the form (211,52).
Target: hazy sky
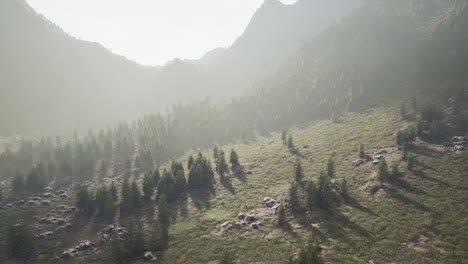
(153,32)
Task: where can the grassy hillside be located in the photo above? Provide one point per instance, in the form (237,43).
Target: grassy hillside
(421,219)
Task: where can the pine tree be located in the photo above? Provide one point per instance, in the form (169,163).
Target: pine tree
(331,168)
(113,191)
(117,251)
(221,165)
(311,195)
(127,195)
(310,254)
(82,200)
(163,218)
(344,188)
(383,172)
(324,190)
(298,175)
(361,152)
(136,195)
(137,162)
(109,209)
(190,161)
(139,244)
(19,240)
(395,173)
(18,183)
(148,186)
(410,162)
(293,199)
(290,142)
(156,242)
(281,215)
(234,159)
(180,182)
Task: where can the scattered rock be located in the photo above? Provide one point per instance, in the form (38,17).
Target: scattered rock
(251,218)
(306,146)
(269,202)
(358,163)
(226,226)
(241,216)
(148,256)
(247,172)
(375,162)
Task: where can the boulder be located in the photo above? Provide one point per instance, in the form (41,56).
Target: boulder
(45,234)
(269,202)
(375,162)
(251,218)
(45,202)
(378,157)
(358,162)
(63,195)
(148,256)
(241,216)
(247,172)
(306,146)
(60,229)
(226,226)
(83,245)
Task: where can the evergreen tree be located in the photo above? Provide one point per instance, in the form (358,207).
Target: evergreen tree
(127,196)
(298,175)
(290,142)
(324,190)
(18,183)
(310,254)
(361,152)
(139,244)
(410,162)
(293,199)
(117,250)
(156,176)
(190,162)
(136,195)
(344,188)
(113,191)
(405,150)
(128,167)
(221,165)
(109,209)
(331,168)
(82,200)
(400,138)
(180,182)
(148,186)
(34,181)
(281,215)
(19,241)
(311,195)
(234,159)
(395,173)
(163,218)
(383,171)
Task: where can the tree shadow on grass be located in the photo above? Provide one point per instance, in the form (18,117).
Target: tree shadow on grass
(337,224)
(201,197)
(296,152)
(181,205)
(226,182)
(350,201)
(403,184)
(407,200)
(421,174)
(238,172)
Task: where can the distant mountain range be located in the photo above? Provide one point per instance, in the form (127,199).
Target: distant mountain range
(50,79)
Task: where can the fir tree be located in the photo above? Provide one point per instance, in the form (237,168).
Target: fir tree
(344,188)
(82,200)
(311,195)
(281,215)
(19,241)
(298,175)
(383,172)
(331,168)
(136,195)
(290,142)
(361,152)
(148,186)
(113,191)
(324,190)
(18,183)
(117,251)
(163,218)
(234,159)
(293,199)
(127,196)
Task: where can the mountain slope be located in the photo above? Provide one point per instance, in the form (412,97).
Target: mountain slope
(46,75)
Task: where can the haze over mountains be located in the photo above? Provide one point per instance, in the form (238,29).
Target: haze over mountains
(48,77)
